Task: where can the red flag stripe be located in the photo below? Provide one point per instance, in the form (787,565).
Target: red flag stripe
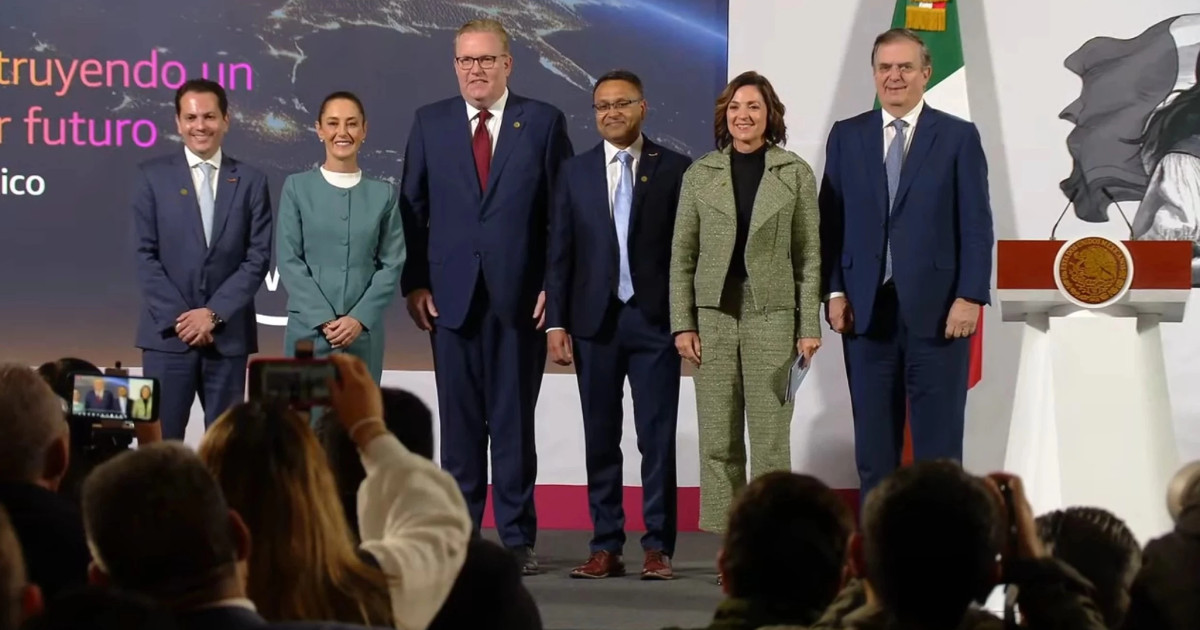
(975,369)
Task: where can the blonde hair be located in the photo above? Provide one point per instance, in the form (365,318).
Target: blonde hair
(303,565)
(485,25)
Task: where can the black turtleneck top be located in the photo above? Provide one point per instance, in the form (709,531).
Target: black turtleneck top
(747,171)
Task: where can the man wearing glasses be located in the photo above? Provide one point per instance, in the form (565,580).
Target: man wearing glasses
(479,173)
(606,312)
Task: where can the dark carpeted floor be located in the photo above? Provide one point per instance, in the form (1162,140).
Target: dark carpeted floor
(625,603)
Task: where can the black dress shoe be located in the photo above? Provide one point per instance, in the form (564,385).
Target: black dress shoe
(527,560)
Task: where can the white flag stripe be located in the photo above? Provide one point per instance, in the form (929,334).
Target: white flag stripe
(950,95)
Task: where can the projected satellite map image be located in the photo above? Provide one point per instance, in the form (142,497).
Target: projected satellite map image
(278,59)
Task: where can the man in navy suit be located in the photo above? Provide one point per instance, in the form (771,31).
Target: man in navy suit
(606,312)
(203,227)
(906,238)
(99,399)
(479,173)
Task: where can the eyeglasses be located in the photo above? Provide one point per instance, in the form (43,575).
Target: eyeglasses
(487,62)
(622,104)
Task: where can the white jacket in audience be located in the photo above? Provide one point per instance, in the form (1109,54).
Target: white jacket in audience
(412,518)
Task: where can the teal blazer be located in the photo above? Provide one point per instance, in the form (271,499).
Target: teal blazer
(340,252)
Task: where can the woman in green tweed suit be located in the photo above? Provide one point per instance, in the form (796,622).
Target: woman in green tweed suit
(339,244)
(745,289)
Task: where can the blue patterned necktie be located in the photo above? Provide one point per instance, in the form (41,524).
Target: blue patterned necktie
(622,206)
(892,163)
(205,195)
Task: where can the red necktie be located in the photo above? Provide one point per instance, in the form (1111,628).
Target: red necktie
(481,145)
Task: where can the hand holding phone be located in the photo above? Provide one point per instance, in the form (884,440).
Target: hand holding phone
(356,397)
(1021,537)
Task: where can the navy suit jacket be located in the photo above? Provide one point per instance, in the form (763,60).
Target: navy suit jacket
(453,232)
(105,402)
(584,260)
(941,223)
(177,272)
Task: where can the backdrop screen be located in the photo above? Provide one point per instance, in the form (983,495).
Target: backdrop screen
(87,94)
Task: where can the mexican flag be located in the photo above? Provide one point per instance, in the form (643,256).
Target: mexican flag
(937,24)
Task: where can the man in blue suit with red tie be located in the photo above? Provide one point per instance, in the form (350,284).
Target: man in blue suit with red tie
(203,228)
(479,173)
(607,312)
(906,239)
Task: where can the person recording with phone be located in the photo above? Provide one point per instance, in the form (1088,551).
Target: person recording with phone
(935,540)
(340,244)
(414,526)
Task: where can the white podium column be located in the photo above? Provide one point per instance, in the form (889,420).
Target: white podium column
(1091,419)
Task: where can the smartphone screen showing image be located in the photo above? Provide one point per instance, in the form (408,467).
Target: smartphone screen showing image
(300,383)
(105,397)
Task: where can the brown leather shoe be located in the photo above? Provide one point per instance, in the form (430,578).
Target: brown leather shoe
(600,564)
(657,566)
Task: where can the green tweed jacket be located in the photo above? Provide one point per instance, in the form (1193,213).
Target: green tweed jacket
(783,249)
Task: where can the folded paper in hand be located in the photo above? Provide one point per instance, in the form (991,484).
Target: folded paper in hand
(796,376)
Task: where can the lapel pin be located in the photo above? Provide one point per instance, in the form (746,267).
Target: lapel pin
(653,154)
(645,179)
(517,125)
(183,191)
(232,180)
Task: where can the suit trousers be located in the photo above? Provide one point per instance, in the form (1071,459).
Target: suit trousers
(488,375)
(893,374)
(219,381)
(745,356)
(629,345)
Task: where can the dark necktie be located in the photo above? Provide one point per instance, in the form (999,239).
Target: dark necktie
(481,145)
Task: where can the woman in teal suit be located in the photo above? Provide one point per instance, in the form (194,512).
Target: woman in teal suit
(339,244)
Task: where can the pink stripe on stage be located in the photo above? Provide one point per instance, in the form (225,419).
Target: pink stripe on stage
(566,507)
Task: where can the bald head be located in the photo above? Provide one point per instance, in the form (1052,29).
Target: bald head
(1184,490)
(32,427)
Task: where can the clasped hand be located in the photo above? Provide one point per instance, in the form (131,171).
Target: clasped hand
(342,331)
(195,327)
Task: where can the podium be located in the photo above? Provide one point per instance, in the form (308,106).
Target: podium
(1091,420)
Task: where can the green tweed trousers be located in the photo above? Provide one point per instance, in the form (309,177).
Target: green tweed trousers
(745,356)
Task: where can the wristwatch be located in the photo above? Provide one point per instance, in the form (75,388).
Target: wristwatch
(216,319)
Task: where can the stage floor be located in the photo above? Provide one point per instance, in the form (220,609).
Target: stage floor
(625,603)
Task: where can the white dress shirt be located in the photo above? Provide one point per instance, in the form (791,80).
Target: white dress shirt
(194,162)
(341,180)
(493,123)
(889,133)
